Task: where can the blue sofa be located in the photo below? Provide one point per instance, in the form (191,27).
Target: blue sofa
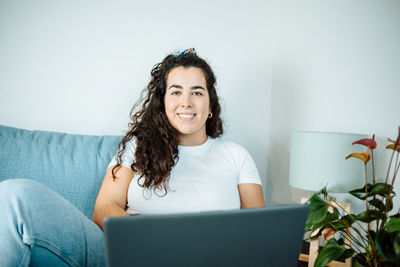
(72,165)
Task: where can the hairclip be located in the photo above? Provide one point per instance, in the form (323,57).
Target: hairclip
(185,52)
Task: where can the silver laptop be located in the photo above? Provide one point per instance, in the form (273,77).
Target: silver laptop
(270,236)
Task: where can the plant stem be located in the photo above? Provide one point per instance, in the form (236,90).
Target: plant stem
(396,169)
(362,238)
(361,242)
(366,199)
(351,215)
(373,166)
(396,164)
(350,235)
(390,165)
(384,188)
(354,239)
(351,238)
(373,178)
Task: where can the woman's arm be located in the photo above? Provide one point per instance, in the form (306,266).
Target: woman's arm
(251,196)
(112,197)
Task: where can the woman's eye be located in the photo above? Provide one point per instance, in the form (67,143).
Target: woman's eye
(176,93)
(197,93)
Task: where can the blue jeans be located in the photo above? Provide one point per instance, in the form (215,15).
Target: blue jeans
(38,227)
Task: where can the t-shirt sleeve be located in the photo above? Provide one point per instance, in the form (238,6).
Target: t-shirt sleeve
(248,173)
(128,156)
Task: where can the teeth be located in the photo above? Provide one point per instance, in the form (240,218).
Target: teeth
(186,115)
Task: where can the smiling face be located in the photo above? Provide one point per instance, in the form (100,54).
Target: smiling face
(187,104)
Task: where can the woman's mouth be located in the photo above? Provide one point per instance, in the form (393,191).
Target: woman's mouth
(186,116)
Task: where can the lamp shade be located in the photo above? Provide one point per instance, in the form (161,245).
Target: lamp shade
(317,159)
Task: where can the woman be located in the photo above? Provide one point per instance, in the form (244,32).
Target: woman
(169,161)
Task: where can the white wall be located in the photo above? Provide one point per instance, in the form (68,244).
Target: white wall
(78,67)
(335,67)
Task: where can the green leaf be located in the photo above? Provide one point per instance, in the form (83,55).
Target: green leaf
(380,189)
(344,222)
(372,215)
(380,204)
(393,225)
(347,254)
(324,192)
(360,192)
(372,233)
(388,245)
(331,251)
(318,209)
(329,218)
(372,190)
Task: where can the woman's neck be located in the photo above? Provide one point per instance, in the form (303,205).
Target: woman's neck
(185,140)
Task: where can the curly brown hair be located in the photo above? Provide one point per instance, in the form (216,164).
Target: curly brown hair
(156,140)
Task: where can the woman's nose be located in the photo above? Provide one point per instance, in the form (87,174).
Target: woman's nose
(186,100)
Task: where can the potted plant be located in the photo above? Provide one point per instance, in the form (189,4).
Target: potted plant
(375,232)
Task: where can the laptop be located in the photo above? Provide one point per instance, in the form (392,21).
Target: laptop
(270,236)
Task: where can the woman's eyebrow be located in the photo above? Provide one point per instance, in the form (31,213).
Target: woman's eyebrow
(197,87)
(193,87)
(175,86)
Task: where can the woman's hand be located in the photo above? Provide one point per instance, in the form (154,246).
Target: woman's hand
(251,196)
(112,197)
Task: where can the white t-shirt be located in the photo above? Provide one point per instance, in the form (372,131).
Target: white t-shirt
(206,177)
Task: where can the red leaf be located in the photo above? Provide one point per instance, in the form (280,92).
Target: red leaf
(366,142)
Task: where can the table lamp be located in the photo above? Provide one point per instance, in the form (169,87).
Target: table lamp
(317,159)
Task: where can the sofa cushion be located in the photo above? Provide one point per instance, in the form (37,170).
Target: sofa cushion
(72,165)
